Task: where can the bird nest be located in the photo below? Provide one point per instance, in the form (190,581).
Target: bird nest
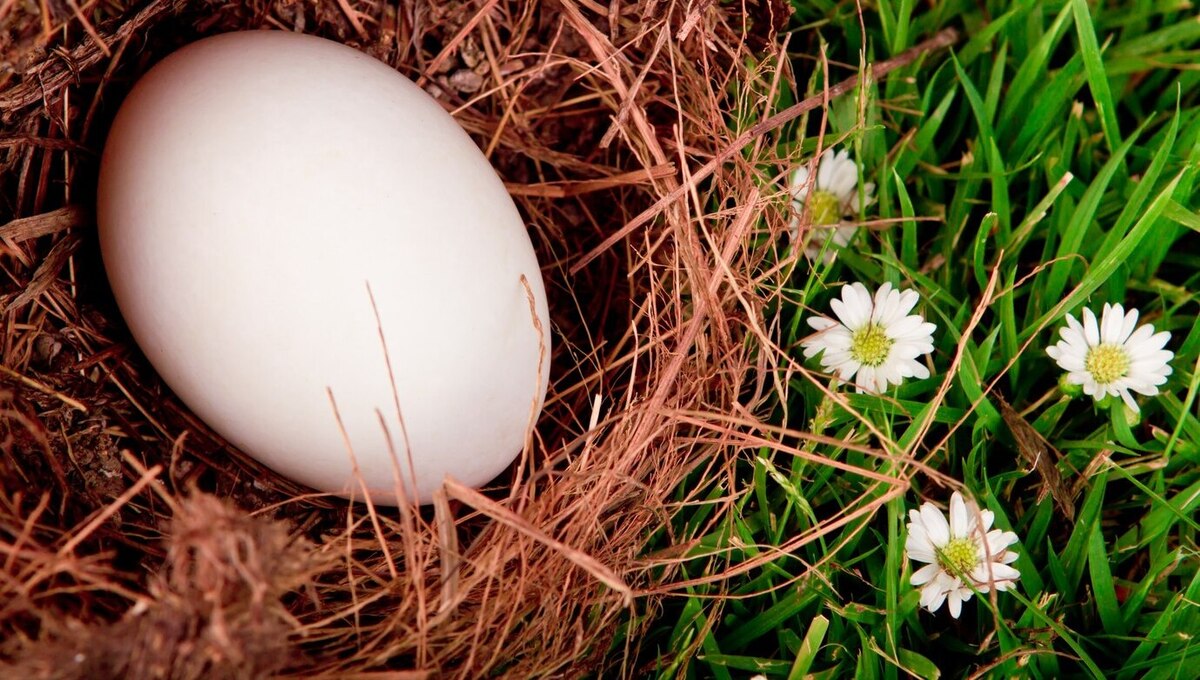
(135,542)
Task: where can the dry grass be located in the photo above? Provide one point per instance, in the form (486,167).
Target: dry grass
(610,124)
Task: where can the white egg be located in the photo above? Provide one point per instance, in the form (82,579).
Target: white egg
(252,187)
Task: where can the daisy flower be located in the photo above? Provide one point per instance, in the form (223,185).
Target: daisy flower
(874,340)
(833,196)
(1110,357)
(962,556)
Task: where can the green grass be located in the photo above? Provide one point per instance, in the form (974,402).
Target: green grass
(1058,141)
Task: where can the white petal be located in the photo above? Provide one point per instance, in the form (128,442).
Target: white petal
(1152,343)
(837,339)
(815,342)
(907,328)
(992,573)
(799,184)
(1003,572)
(924,574)
(1081,378)
(1139,337)
(912,349)
(1148,389)
(1073,336)
(955,603)
(893,372)
(837,352)
(854,308)
(935,525)
(1151,361)
(826,255)
(1110,323)
(998,541)
(843,311)
(902,367)
(854,204)
(885,298)
(842,180)
(900,303)
(1128,399)
(847,370)
(909,349)
(1073,324)
(958,516)
(825,169)
(986,517)
(918,370)
(887,309)
(836,360)
(928,329)
(928,592)
(920,551)
(935,598)
(865,380)
(1128,324)
(821,323)
(1091,330)
(1071,362)
(908,300)
(882,377)
(842,235)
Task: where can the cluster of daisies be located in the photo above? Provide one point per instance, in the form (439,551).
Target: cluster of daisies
(876,341)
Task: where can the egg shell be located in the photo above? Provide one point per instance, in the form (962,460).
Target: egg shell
(257,189)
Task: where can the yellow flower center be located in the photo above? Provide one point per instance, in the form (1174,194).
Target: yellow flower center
(1107,362)
(870,346)
(824,207)
(958,557)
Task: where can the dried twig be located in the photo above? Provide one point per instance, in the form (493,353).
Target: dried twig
(1041,456)
(36,226)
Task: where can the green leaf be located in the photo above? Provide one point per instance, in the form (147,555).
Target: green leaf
(1181,215)
(809,648)
(1054,280)
(1074,555)
(790,604)
(918,665)
(1100,271)
(1102,585)
(1031,73)
(744,663)
(1093,65)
